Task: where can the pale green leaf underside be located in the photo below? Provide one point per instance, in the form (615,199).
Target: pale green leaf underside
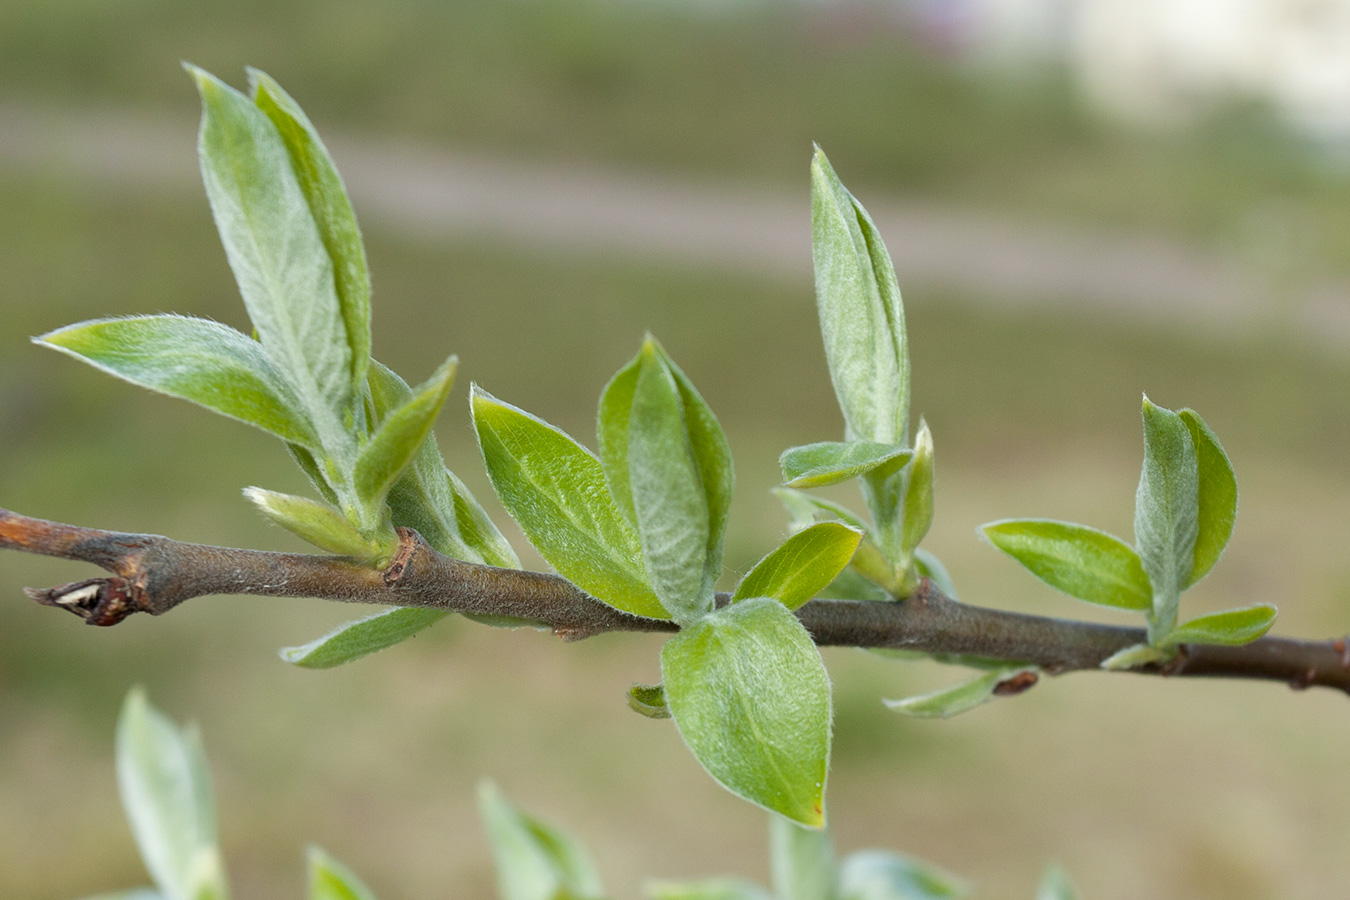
(1218,496)
(833,462)
(205,362)
(362,637)
(1231,627)
(883,875)
(1080,561)
(750,696)
(1133,656)
(711,889)
(555,490)
(1166,511)
(948,702)
(803,566)
(319,524)
(534,861)
(331,880)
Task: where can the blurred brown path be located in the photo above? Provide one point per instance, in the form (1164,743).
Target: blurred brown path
(435,195)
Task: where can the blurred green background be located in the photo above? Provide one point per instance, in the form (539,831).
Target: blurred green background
(1140,788)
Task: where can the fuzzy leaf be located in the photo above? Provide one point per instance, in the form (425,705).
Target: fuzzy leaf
(861,317)
(948,702)
(750,696)
(205,362)
(712,889)
(331,880)
(1166,512)
(1080,561)
(802,566)
(648,700)
(554,488)
(1055,885)
(805,509)
(882,875)
(362,637)
(801,861)
(1218,497)
(322,525)
(918,515)
(611,427)
(833,462)
(1232,627)
(534,861)
(400,436)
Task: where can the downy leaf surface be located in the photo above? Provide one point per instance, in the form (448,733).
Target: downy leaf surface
(1080,561)
(802,566)
(1231,627)
(834,462)
(1217,494)
(321,525)
(1166,512)
(400,436)
(918,514)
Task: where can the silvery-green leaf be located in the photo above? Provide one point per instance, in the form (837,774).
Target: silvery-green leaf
(323,526)
(331,880)
(861,317)
(1218,496)
(882,875)
(1133,656)
(205,362)
(362,637)
(802,566)
(1166,512)
(750,696)
(712,889)
(648,700)
(166,792)
(555,490)
(278,257)
(834,462)
(801,861)
(1231,627)
(805,509)
(400,436)
(534,861)
(931,567)
(918,516)
(1080,561)
(948,702)
(332,211)
(1055,885)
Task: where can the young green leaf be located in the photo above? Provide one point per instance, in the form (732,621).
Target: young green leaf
(611,431)
(362,637)
(1132,656)
(750,696)
(331,880)
(801,861)
(400,436)
(931,567)
(1232,627)
(1055,885)
(802,566)
(712,889)
(648,700)
(554,488)
(882,875)
(332,211)
(1166,512)
(1080,561)
(948,702)
(806,509)
(534,861)
(323,526)
(918,517)
(1217,495)
(205,362)
(166,792)
(861,317)
(834,462)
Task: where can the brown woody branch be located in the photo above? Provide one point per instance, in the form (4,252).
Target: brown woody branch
(154,574)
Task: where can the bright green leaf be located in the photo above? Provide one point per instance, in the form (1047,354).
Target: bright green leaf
(948,702)
(1133,656)
(534,861)
(362,637)
(801,861)
(331,880)
(648,700)
(834,462)
(1166,512)
(712,889)
(166,792)
(750,696)
(861,317)
(1055,885)
(1232,627)
(882,875)
(918,515)
(205,362)
(322,526)
(611,427)
(1218,496)
(1080,561)
(554,488)
(400,436)
(802,566)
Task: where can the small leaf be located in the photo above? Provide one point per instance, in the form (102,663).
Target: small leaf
(918,515)
(1218,496)
(555,490)
(1232,627)
(648,700)
(1055,885)
(362,637)
(400,436)
(931,567)
(750,696)
(616,408)
(322,526)
(803,566)
(166,792)
(805,509)
(1133,656)
(832,462)
(534,861)
(205,362)
(861,317)
(882,875)
(1080,561)
(712,889)
(952,701)
(331,880)
(1166,511)
(801,861)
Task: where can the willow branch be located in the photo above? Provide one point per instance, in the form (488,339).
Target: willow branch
(154,574)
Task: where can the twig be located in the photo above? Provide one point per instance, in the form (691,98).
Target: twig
(154,574)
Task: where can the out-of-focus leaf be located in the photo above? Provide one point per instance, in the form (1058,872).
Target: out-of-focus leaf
(1217,493)
(1055,885)
(1232,627)
(882,875)
(1080,561)
(205,362)
(400,436)
(712,889)
(331,880)
(322,525)
(1166,512)
(555,489)
(952,701)
(802,566)
(801,861)
(834,462)
(362,637)
(1133,656)
(931,567)
(750,696)
(648,700)
(918,516)
(534,861)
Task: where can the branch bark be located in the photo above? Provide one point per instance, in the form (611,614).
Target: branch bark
(154,574)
